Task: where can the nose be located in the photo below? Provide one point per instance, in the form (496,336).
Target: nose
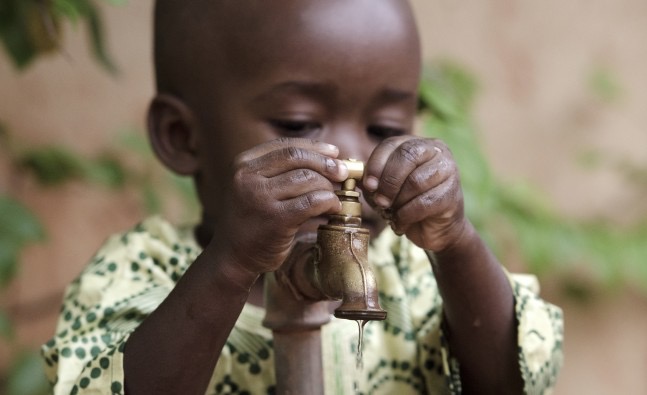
(353,141)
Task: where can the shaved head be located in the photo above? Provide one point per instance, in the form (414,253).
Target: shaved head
(198,42)
(180,29)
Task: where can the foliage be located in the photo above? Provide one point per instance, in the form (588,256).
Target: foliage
(604,85)
(52,166)
(18,228)
(26,376)
(514,219)
(30,28)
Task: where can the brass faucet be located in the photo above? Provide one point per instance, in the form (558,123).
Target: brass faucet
(334,267)
(341,268)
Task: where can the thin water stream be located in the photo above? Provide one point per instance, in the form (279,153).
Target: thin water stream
(359,357)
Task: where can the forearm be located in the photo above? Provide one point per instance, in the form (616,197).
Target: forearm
(479,312)
(176,348)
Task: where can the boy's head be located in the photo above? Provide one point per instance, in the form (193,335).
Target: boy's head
(235,73)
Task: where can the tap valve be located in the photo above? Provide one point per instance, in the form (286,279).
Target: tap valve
(341,260)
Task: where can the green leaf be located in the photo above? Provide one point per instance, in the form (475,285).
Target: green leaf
(135,141)
(69,9)
(106,170)
(18,225)
(152,201)
(8,261)
(447,90)
(6,327)
(27,377)
(30,28)
(52,165)
(4,137)
(95,30)
(17,228)
(186,188)
(116,2)
(15,34)
(604,84)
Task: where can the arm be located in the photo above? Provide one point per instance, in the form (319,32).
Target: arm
(480,316)
(130,284)
(415,182)
(275,187)
(176,348)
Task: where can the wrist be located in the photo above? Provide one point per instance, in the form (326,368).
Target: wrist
(228,271)
(465,240)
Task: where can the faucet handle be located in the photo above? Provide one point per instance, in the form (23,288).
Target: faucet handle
(355,168)
(355,173)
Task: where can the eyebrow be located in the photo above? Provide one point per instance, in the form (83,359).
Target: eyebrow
(390,95)
(326,90)
(306,88)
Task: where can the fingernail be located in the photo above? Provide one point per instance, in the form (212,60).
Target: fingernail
(382,200)
(371,183)
(343,169)
(331,148)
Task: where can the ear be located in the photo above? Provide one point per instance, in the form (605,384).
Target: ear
(173,133)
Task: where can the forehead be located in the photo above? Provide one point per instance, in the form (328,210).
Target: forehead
(329,36)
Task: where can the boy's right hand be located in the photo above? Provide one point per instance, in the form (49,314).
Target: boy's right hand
(275,188)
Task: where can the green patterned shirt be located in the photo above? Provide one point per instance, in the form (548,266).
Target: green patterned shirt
(405,354)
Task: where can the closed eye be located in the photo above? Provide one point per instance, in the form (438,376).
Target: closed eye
(384,132)
(294,128)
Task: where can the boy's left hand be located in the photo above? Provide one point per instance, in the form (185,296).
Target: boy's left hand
(414,182)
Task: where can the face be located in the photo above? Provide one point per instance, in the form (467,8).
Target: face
(341,71)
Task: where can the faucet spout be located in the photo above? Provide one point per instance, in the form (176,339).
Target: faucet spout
(342,271)
(341,266)
(335,265)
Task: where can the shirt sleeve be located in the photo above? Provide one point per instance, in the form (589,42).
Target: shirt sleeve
(539,327)
(127,279)
(539,336)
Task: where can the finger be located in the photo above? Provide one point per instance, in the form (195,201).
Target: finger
(407,157)
(291,158)
(424,178)
(309,205)
(377,161)
(285,142)
(296,182)
(440,204)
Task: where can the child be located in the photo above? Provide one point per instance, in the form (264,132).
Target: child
(257,101)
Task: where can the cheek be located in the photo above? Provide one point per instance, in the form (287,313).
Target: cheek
(234,138)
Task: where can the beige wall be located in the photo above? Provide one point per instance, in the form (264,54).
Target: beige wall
(535,111)
(534,60)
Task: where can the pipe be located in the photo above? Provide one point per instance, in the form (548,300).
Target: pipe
(296,329)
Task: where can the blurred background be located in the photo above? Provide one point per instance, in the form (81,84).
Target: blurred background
(543,103)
